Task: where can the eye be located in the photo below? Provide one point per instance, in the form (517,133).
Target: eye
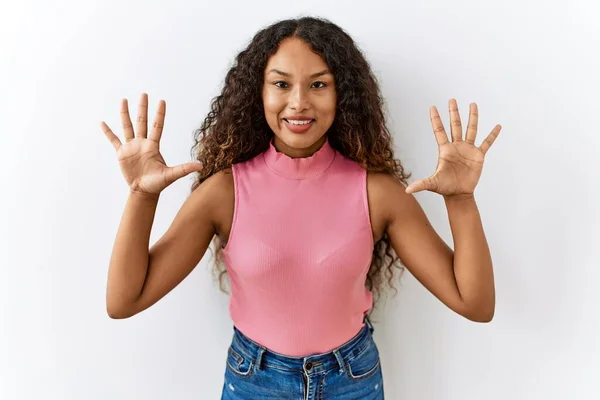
(283,85)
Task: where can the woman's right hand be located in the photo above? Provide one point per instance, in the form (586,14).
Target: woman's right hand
(140,160)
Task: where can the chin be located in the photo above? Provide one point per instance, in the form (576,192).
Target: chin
(299,140)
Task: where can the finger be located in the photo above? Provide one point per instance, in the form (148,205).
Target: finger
(126,121)
(419,186)
(489,141)
(159,121)
(438,128)
(114,140)
(455,124)
(472,124)
(174,173)
(142,119)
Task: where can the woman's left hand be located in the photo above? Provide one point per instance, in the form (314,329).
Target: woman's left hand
(460,162)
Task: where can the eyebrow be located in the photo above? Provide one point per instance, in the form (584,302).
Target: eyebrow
(321,73)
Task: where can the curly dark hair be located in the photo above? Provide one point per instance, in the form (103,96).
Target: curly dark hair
(236,129)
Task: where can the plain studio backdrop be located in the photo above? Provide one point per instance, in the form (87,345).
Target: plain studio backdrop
(530,66)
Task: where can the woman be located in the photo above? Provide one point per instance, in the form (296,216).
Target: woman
(298,185)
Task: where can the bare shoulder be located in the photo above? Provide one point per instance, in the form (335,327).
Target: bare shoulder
(185,242)
(385,192)
(219,187)
(380,183)
(413,238)
(200,213)
(220,193)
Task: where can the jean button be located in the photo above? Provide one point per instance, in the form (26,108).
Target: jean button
(309,366)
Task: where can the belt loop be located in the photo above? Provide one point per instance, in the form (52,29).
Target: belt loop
(368,322)
(261,350)
(340,360)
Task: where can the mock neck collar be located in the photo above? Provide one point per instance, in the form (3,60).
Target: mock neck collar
(299,168)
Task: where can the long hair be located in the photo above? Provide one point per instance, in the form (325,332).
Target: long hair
(236,130)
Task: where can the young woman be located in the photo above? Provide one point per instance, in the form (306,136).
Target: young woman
(298,186)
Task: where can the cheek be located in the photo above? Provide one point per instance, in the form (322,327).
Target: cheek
(327,105)
(272,103)
(272,110)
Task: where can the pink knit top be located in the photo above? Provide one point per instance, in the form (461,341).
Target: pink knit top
(299,251)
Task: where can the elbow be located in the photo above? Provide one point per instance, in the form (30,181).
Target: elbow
(118,312)
(116,315)
(482,316)
(482,313)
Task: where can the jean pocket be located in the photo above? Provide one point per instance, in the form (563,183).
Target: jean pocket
(238,363)
(365,364)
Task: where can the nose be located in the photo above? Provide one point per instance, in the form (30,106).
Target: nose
(299,99)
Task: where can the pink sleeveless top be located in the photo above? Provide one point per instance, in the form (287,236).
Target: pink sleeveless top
(299,251)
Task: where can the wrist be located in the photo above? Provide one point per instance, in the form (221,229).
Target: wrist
(144,195)
(460,197)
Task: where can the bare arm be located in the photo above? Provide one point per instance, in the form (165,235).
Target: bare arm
(139,277)
(462,280)
(129,259)
(472,263)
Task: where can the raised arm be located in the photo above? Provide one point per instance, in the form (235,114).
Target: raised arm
(139,277)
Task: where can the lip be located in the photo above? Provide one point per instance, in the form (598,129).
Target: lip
(299,117)
(299,128)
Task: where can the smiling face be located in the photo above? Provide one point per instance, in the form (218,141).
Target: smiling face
(298,89)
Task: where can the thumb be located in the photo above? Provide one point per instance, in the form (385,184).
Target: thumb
(179,171)
(419,186)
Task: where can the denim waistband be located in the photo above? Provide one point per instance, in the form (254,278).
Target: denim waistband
(311,364)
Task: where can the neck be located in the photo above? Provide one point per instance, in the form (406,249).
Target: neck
(305,164)
(291,152)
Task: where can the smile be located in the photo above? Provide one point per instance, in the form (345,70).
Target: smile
(298,126)
(298,122)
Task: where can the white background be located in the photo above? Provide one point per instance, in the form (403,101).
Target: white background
(531,66)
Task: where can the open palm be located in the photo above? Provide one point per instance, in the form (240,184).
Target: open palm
(460,162)
(139,158)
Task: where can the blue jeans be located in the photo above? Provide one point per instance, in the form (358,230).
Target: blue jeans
(351,371)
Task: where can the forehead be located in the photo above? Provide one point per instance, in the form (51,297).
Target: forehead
(295,56)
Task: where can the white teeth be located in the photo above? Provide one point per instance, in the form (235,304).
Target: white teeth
(298,122)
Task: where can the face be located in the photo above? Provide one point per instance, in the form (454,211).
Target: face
(298,88)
